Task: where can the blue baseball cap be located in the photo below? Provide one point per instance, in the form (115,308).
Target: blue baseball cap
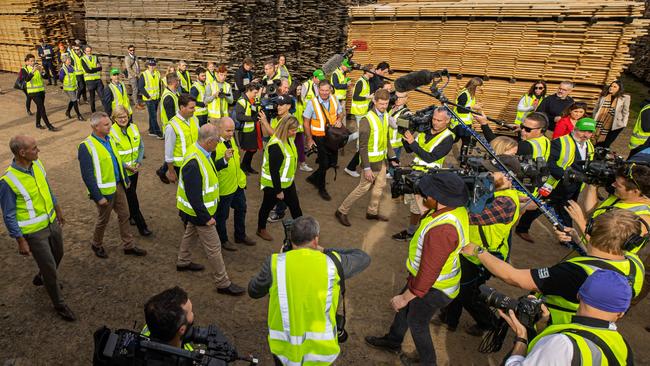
(607,291)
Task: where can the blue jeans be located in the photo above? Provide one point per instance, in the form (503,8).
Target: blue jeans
(152,109)
(236,201)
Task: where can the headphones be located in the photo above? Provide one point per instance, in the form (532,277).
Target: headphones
(544,117)
(635,240)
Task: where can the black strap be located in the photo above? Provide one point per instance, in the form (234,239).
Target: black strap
(339,269)
(483,238)
(607,351)
(576,359)
(322,108)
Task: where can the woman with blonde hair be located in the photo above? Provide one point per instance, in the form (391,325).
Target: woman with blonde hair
(466,99)
(171,69)
(278,172)
(504,145)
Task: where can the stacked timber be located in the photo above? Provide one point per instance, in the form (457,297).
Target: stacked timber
(510,43)
(76,15)
(198,31)
(641,52)
(24,23)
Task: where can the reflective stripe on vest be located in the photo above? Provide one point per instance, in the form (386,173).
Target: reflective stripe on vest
(288,167)
(78,68)
(151,84)
(219,106)
(185,79)
(528,102)
(164,118)
(318,124)
(232,176)
(311,92)
(419,164)
(567,156)
(301,315)
(378,136)
(187,133)
(200,111)
(34,204)
(638,208)
(339,93)
(210,186)
(465,116)
(35,84)
(120,98)
(639,137)
(92,63)
(103,165)
(449,279)
(69,79)
(360,108)
(395,136)
(249,126)
(128,145)
(541,147)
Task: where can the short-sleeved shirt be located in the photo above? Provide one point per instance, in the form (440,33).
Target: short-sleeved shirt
(309,112)
(563,279)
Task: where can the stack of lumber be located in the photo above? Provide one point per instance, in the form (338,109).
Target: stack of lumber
(198,31)
(24,23)
(76,16)
(641,52)
(510,43)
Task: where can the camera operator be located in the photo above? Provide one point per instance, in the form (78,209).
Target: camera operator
(433,265)
(559,284)
(490,229)
(592,336)
(631,192)
(568,151)
(221,94)
(430,150)
(398,108)
(169,316)
(305,279)
(533,142)
(250,139)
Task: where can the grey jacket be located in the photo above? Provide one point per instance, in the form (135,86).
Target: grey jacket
(132,67)
(621,113)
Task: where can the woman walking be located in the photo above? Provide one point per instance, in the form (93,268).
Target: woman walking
(69,80)
(611,114)
(31,74)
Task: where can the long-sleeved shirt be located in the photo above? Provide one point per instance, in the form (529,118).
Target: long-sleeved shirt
(242,78)
(107,98)
(220,87)
(207,97)
(524,148)
(500,211)
(88,171)
(46,53)
(8,202)
(356,94)
(439,242)
(440,151)
(353,262)
(169,105)
(62,72)
(240,112)
(553,107)
(140,147)
(170,139)
(193,183)
(276,158)
(131,65)
(364,137)
(88,69)
(143,91)
(339,84)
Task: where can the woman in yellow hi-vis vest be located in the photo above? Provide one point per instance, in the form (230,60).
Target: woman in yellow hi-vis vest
(466,99)
(529,101)
(70,87)
(35,89)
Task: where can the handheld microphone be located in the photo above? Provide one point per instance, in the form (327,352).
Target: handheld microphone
(416,79)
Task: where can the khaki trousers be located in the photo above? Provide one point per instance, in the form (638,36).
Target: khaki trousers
(209,239)
(120,205)
(363,187)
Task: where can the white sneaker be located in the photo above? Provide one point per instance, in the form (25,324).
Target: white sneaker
(352,173)
(388,176)
(306,168)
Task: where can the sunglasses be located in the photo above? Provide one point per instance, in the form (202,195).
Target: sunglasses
(539,88)
(529,129)
(630,176)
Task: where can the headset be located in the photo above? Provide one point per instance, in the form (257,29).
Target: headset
(543,116)
(635,240)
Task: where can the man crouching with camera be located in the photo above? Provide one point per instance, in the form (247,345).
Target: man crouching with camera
(169,317)
(590,338)
(304,284)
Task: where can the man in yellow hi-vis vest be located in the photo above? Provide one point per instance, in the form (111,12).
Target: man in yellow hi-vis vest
(33,217)
(305,278)
(433,265)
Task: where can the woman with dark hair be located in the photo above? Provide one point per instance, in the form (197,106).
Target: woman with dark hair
(569,118)
(529,101)
(611,114)
(466,99)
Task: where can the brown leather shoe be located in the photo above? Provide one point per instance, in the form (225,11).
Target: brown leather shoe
(526,237)
(262,233)
(343,218)
(377,217)
(246,241)
(227,245)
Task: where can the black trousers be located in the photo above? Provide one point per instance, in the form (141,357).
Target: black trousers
(134,204)
(39,100)
(472,276)
(49,72)
(247,159)
(28,101)
(202,120)
(326,159)
(94,86)
(81,88)
(270,200)
(416,317)
(610,138)
(354,162)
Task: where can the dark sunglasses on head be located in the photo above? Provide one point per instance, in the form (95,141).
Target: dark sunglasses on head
(529,129)
(630,176)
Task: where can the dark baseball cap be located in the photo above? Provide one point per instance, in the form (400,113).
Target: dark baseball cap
(445,187)
(510,161)
(284,99)
(151,61)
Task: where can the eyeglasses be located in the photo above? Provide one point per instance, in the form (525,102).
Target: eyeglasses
(529,129)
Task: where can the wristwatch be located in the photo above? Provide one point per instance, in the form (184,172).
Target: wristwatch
(478,250)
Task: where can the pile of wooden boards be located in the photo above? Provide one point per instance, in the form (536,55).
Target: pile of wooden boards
(23,23)
(641,52)
(198,31)
(76,15)
(510,43)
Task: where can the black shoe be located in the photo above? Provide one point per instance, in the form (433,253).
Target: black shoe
(440,322)
(135,251)
(67,114)
(53,129)
(310,179)
(65,313)
(131,221)
(192,267)
(402,236)
(30,113)
(41,127)
(253,171)
(99,251)
(407,360)
(162,176)
(232,290)
(79,117)
(383,344)
(49,83)
(246,241)
(38,280)
(324,195)
(145,232)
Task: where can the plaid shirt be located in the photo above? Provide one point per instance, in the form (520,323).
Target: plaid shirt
(501,211)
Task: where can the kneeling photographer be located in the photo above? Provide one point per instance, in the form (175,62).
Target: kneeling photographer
(591,338)
(611,235)
(304,283)
(490,229)
(432,144)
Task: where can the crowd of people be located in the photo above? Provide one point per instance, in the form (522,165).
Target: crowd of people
(211,130)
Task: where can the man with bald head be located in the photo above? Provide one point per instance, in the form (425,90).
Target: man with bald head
(33,217)
(197,199)
(232,185)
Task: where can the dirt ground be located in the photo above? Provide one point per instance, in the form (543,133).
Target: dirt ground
(112,292)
